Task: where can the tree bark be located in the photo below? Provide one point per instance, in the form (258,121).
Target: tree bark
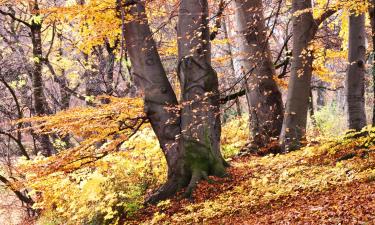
(232,67)
(355,86)
(160,100)
(190,142)
(304,29)
(40,103)
(263,95)
(320,101)
(110,66)
(200,120)
(372,19)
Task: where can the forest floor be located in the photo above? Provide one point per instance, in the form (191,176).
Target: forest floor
(329,183)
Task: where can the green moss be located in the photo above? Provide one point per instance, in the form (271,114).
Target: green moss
(200,157)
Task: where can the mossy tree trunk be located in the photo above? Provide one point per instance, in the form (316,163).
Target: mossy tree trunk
(189,137)
(200,119)
(150,77)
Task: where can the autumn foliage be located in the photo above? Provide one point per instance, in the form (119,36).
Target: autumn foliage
(187,111)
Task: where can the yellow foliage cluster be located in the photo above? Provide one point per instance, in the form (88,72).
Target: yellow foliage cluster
(99,194)
(235,135)
(94,22)
(97,131)
(324,59)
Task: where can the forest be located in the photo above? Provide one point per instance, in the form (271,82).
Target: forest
(187,112)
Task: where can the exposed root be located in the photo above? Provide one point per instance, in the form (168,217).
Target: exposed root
(195,178)
(170,188)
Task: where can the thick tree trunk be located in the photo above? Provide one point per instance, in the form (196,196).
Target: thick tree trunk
(40,103)
(200,118)
(160,100)
(355,86)
(190,142)
(263,95)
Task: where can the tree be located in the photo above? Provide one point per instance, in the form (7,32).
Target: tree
(355,86)
(200,115)
(190,140)
(40,105)
(304,30)
(263,95)
(372,19)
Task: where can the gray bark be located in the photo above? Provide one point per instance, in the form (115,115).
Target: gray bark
(232,67)
(355,86)
(200,120)
(150,76)
(263,95)
(190,142)
(295,117)
(320,100)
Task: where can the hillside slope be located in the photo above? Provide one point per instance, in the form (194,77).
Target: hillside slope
(329,183)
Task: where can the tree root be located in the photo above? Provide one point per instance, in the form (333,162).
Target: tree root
(170,188)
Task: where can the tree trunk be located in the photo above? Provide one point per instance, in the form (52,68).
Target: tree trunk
(92,82)
(232,67)
(160,100)
(200,120)
(294,124)
(263,95)
(355,86)
(311,109)
(295,117)
(110,65)
(40,103)
(191,142)
(372,19)
(320,101)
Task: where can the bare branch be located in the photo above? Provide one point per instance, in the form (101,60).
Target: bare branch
(14,18)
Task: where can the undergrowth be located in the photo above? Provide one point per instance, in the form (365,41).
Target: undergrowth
(115,186)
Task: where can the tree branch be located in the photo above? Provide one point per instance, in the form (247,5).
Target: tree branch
(19,195)
(326,88)
(219,16)
(18,142)
(232,96)
(14,18)
(325,16)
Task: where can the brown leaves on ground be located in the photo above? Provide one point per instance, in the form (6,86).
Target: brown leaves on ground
(331,183)
(351,204)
